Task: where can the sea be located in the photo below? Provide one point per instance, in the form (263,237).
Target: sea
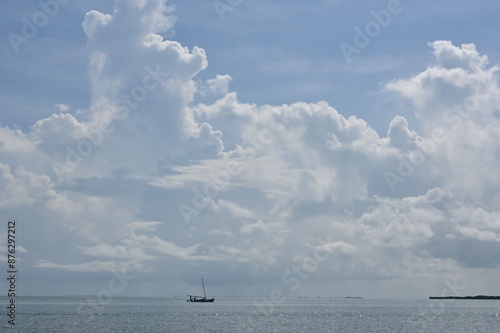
(229,314)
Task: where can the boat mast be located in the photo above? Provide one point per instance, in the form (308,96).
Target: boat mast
(204,293)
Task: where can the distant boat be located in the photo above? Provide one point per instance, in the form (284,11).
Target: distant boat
(193,298)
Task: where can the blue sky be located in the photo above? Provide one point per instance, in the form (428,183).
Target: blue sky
(235,140)
(248,44)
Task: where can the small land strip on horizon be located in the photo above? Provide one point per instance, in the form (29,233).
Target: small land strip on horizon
(465,297)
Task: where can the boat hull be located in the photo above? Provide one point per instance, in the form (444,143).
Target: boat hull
(201,300)
(206,300)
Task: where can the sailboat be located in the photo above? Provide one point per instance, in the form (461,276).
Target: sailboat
(203,298)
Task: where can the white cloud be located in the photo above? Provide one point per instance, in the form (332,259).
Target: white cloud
(481,235)
(63,107)
(218,86)
(259,227)
(400,136)
(339,247)
(149,226)
(234,210)
(118,252)
(449,56)
(93,266)
(459,85)
(261,181)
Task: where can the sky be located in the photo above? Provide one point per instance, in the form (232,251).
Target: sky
(276,148)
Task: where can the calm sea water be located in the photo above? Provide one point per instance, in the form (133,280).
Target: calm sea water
(80,314)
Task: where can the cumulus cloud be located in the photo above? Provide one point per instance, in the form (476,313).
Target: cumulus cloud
(164,167)
(216,87)
(63,107)
(16,139)
(456,103)
(449,56)
(460,84)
